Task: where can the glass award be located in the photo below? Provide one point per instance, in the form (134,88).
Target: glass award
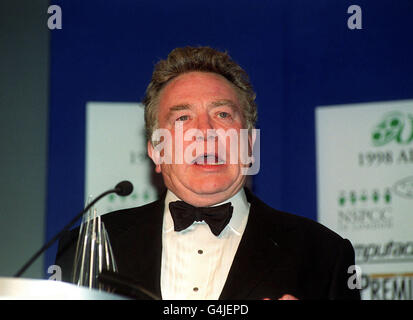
(93,251)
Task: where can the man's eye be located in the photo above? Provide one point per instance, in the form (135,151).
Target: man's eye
(224,115)
(182,118)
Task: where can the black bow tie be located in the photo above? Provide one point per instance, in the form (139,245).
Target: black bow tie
(184,215)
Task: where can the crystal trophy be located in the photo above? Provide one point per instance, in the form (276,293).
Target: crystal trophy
(93,251)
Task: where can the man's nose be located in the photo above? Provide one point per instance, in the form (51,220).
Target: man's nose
(206,127)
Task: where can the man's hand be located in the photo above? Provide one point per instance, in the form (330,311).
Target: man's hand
(288,297)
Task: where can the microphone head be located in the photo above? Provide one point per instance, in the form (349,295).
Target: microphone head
(124,188)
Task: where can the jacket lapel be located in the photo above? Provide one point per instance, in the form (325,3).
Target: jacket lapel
(141,245)
(258,254)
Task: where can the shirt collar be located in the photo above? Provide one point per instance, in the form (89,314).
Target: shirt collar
(238,220)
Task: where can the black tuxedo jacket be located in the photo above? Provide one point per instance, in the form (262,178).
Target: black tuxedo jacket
(279,254)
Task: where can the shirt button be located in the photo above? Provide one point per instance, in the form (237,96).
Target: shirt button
(196,289)
(200,251)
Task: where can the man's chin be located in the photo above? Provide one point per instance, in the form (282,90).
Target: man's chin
(208,195)
(210,185)
(208,190)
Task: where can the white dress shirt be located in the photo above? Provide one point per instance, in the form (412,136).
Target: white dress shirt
(196,263)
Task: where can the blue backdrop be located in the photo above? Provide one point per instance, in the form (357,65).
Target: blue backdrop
(299,54)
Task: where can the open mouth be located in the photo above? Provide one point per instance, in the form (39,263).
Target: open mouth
(208,159)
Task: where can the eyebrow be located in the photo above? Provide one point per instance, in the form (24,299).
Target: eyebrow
(214,104)
(176,108)
(225,102)
(179,107)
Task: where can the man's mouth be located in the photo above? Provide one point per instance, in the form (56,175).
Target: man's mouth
(208,159)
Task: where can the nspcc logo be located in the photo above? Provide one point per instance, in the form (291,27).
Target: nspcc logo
(395,126)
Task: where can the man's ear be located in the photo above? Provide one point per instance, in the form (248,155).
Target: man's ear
(251,142)
(252,139)
(155,156)
(254,151)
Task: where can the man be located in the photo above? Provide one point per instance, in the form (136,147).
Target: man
(208,237)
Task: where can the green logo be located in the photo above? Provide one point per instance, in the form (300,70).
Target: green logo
(394,126)
(354,197)
(114,199)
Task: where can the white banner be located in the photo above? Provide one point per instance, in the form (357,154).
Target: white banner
(115,151)
(365,189)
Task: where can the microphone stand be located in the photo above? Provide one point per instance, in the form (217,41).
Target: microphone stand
(65,229)
(126,286)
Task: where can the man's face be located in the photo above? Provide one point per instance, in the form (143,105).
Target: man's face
(204,102)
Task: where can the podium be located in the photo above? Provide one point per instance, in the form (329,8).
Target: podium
(33,289)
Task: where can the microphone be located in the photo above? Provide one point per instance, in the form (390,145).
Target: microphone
(123,188)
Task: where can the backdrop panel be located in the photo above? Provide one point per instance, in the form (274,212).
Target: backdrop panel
(365,189)
(116,151)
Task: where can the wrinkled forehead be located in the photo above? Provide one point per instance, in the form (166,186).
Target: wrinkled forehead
(193,88)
